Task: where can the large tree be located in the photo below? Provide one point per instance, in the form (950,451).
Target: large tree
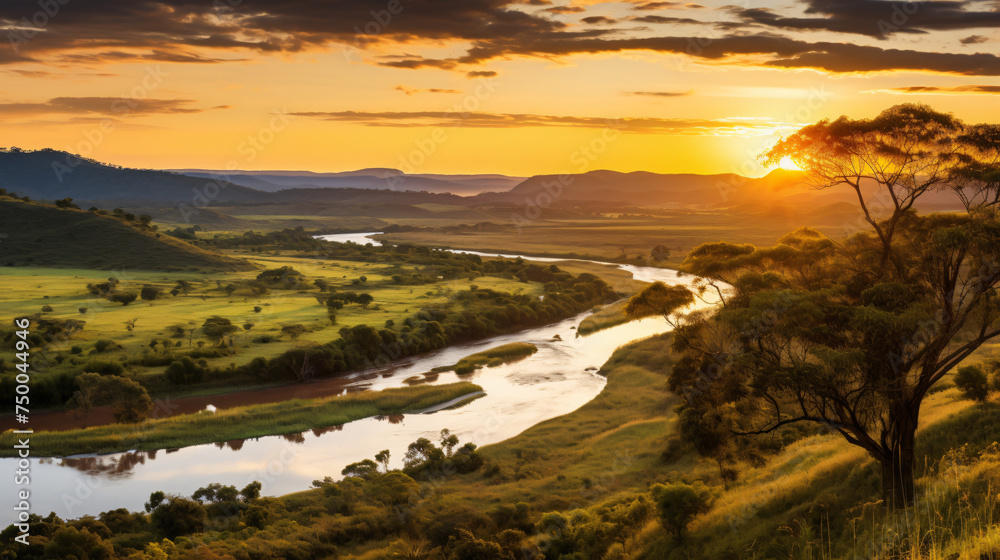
(848,333)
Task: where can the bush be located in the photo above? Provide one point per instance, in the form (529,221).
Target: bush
(110,367)
(150,293)
(46,309)
(103,345)
(184,371)
(972,382)
(677,504)
(123,298)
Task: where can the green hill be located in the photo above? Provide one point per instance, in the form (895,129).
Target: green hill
(40,235)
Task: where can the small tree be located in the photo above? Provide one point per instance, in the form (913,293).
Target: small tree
(218,328)
(150,293)
(124,298)
(677,504)
(973,383)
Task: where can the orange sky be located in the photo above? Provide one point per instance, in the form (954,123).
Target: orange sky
(658,86)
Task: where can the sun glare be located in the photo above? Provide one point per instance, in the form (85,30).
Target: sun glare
(787,163)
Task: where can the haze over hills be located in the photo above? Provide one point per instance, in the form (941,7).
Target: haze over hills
(371,178)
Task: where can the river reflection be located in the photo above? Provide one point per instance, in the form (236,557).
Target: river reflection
(557,379)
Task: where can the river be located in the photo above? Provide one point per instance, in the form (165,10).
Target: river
(558,379)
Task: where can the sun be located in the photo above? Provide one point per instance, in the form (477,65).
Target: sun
(787,163)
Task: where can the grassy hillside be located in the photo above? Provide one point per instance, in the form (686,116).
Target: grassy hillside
(37,235)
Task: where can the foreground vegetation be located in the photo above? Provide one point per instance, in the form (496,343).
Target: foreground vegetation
(292,416)
(596,483)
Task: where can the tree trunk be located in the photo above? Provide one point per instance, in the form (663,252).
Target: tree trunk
(897,469)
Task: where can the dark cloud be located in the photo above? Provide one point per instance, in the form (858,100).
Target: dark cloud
(875,18)
(938,89)
(664,19)
(566,9)
(974,40)
(171,28)
(656,5)
(593,20)
(772,51)
(481,74)
(407,119)
(108,106)
(197,31)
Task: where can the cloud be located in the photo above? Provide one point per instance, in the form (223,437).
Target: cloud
(411,91)
(940,90)
(594,20)
(481,74)
(410,119)
(103,106)
(767,50)
(202,32)
(664,19)
(661,93)
(565,9)
(875,18)
(656,5)
(974,40)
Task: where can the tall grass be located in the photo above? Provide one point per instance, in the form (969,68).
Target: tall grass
(244,422)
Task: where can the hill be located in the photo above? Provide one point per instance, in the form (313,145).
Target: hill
(40,235)
(51,175)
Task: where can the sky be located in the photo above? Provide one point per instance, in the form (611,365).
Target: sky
(475,86)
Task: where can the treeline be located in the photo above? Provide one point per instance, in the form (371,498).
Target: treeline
(468,315)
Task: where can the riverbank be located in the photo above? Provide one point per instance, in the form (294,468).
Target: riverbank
(244,422)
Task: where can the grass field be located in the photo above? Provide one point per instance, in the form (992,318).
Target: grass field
(27,290)
(244,422)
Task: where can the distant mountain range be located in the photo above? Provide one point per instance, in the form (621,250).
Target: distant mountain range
(49,175)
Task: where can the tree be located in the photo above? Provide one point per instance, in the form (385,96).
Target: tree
(362,469)
(150,293)
(66,203)
(177,516)
(973,383)
(129,401)
(218,328)
(382,458)
(849,334)
(123,298)
(677,504)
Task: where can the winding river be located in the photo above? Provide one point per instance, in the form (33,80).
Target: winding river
(558,379)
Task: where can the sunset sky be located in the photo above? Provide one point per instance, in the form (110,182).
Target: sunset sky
(475,86)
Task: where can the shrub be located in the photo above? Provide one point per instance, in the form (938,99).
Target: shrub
(677,504)
(184,371)
(111,367)
(123,298)
(150,293)
(104,345)
(46,309)
(972,382)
